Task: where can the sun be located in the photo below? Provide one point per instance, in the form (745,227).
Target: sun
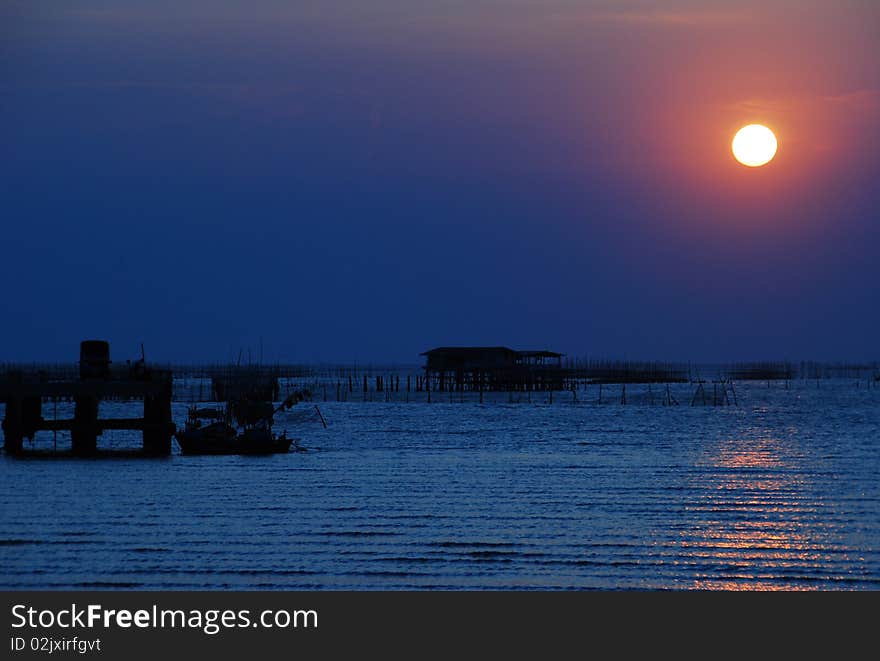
(754,145)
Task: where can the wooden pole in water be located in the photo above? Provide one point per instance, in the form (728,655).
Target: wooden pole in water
(323,422)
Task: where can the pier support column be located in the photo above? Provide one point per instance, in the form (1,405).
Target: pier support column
(13,432)
(84,433)
(158,426)
(31,415)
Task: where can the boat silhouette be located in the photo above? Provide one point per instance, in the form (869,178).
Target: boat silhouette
(243,426)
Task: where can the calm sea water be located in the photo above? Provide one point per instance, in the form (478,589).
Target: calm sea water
(781,492)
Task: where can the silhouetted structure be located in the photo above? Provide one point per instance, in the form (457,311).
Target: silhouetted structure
(24,393)
(492,368)
(251,383)
(605,371)
(765,371)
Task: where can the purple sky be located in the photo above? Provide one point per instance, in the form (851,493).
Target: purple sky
(352,180)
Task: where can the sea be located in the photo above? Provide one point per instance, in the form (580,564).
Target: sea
(777,491)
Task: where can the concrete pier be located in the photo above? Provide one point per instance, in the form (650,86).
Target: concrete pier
(24,394)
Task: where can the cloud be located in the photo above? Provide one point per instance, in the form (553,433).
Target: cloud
(845,124)
(859,100)
(666,18)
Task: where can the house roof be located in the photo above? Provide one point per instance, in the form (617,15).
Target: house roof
(540,354)
(466,350)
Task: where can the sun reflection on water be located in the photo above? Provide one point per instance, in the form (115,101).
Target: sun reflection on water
(757,523)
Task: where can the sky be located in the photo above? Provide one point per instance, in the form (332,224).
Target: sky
(345,181)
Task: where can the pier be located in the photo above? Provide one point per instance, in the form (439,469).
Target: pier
(25,392)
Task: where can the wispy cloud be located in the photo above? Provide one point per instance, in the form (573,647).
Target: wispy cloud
(669,18)
(863,99)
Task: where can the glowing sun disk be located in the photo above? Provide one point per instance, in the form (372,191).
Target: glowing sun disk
(754,145)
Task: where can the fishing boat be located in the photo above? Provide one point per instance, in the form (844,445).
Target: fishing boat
(210,430)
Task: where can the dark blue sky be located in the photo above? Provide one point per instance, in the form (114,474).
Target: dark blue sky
(362,181)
